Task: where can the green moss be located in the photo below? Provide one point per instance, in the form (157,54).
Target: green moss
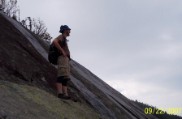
(53,106)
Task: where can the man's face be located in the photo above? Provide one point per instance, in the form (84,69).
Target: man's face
(67,32)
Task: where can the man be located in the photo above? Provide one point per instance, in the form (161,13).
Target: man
(63,74)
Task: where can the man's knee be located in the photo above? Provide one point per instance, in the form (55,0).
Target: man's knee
(64,80)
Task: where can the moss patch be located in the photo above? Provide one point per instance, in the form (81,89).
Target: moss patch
(33,102)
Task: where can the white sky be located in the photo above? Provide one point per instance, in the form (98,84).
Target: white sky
(133,45)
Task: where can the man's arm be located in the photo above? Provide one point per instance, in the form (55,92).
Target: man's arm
(56,44)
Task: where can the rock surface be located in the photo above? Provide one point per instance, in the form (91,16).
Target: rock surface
(27,84)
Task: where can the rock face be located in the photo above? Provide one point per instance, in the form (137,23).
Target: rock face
(27,84)
(18,57)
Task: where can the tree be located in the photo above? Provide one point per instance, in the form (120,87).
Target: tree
(11,9)
(2,4)
(38,27)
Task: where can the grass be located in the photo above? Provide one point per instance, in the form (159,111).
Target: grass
(41,104)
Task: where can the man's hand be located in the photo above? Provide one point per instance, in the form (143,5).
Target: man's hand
(63,53)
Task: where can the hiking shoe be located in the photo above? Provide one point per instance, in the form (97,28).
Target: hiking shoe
(62,96)
(66,97)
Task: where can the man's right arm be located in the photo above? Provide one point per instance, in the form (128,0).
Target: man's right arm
(56,44)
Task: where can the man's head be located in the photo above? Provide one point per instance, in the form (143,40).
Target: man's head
(65,30)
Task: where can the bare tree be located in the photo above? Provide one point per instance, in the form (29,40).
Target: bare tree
(11,9)
(38,27)
(2,4)
(30,23)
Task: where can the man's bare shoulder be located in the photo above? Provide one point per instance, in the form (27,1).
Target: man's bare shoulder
(59,37)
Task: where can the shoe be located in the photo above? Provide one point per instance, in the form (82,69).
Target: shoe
(62,96)
(66,97)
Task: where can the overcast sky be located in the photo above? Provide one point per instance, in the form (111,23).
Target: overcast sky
(133,45)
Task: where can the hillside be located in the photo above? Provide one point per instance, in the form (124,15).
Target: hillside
(21,101)
(27,80)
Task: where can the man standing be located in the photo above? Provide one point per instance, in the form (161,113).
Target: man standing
(63,74)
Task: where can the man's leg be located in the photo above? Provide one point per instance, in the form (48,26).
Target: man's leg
(67,76)
(64,73)
(59,87)
(65,89)
(59,74)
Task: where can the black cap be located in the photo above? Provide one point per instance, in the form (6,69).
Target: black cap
(64,27)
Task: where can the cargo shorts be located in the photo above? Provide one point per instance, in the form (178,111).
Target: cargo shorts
(63,66)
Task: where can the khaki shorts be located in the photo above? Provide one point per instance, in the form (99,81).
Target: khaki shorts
(63,66)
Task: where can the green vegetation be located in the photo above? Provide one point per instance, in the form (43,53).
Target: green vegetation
(36,103)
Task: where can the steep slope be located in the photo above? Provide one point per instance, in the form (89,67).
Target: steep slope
(104,98)
(23,59)
(26,79)
(29,102)
(20,59)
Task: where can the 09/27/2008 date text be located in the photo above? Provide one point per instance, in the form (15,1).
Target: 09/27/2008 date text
(150,110)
